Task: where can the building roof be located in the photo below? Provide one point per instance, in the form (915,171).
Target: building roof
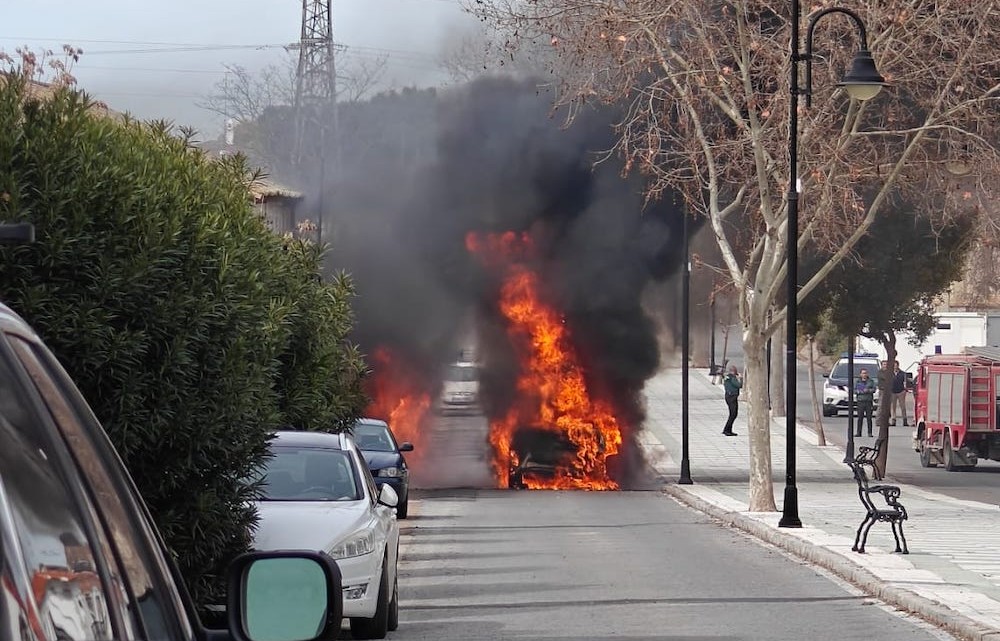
(264,188)
(45,91)
(992,353)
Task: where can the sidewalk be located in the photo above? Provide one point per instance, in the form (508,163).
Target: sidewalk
(951,576)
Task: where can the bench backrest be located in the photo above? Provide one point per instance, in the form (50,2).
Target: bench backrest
(861,475)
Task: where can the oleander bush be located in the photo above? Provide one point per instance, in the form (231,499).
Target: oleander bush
(191,329)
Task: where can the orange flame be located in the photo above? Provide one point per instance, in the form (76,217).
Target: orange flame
(397,399)
(552,392)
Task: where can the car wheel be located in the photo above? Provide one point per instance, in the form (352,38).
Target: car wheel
(947,453)
(403,507)
(926,458)
(829,412)
(394,607)
(378,626)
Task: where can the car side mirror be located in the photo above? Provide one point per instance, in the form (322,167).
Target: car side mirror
(406,447)
(284,595)
(387,496)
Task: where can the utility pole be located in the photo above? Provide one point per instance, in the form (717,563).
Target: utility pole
(316,95)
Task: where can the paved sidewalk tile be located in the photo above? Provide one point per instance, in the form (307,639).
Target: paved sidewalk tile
(952,574)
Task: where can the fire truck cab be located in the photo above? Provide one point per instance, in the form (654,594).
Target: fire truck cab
(958,408)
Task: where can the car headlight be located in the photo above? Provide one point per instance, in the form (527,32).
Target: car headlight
(391,472)
(358,544)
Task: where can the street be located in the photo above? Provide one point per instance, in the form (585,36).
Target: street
(981,483)
(481,563)
(495,564)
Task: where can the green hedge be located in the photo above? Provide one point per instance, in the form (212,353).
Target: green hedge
(192,330)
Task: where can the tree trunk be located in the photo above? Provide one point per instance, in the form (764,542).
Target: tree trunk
(778,408)
(817,413)
(761,486)
(884,406)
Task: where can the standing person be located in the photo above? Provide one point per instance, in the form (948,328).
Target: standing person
(864,396)
(898,395)
(732,383)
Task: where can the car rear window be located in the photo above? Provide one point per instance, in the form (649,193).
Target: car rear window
(373,438)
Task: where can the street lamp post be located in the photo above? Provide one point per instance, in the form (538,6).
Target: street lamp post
(685,478)
(711,336)
(861,82)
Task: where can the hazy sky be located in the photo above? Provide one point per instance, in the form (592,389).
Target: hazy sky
(134,57)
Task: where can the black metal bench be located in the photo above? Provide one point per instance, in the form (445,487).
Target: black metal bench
(892,512)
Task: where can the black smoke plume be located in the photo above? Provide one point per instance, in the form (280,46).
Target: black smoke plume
(419,170)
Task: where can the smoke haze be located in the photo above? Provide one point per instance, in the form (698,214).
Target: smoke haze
(427,168)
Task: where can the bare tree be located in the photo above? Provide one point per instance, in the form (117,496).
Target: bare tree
(705,85)
(244,95)
(980,286)
(777,382)
(484,52)
(817,414)
(361,77)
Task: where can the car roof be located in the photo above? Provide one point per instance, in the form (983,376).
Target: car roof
(371,421)
(311,439)
(12,323)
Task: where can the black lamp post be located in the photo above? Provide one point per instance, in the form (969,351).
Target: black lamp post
(685,478)
(861,82)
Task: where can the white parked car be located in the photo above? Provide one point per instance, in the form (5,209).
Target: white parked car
(835,385)
(320,495)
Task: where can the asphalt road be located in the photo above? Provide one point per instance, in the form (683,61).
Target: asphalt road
(981,483)
(459,450)
(501,564)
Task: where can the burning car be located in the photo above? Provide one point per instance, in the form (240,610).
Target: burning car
(555,432)
(545,458)
(538,453)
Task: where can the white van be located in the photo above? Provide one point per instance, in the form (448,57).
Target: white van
(460,388)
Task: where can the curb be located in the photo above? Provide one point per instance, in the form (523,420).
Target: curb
(930,611)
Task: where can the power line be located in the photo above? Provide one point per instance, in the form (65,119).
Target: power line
(154,69)
(133,42)
(141,94)
(184,49)
(395,52)
(179,47)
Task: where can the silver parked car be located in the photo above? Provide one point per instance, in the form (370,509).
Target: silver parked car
(320,495)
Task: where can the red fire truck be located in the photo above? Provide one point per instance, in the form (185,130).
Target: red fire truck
(958,408)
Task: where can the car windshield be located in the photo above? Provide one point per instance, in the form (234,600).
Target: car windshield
(310,474)
(542,447)
(461,374)
(373,438)
(840,370)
